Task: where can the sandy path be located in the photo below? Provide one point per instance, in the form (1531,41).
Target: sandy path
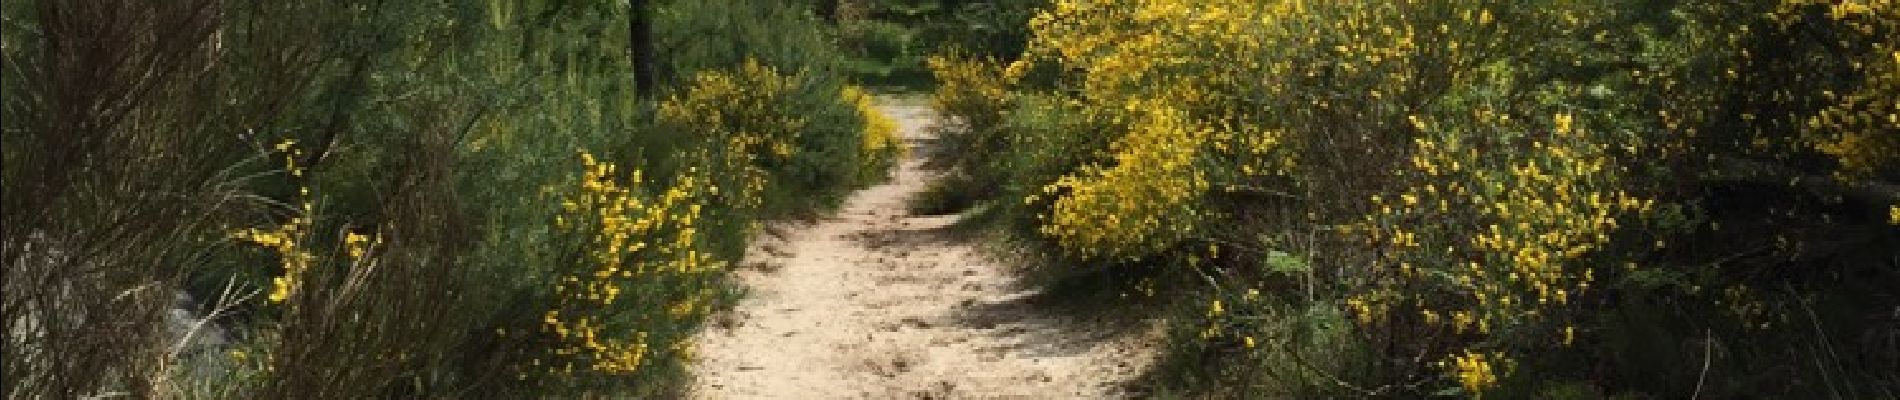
(876,303)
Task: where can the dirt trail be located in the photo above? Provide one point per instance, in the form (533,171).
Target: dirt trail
(877,303)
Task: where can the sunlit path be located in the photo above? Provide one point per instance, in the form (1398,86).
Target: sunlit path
(876,303)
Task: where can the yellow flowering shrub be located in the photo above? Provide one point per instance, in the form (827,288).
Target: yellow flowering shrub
(741,114)
(290,240)
(879,145)
(297,300)
(780,140)
(1142,203)
(1467,184)
(1173,76)
(287,239)
(1477,372)
(973,96)
(1860,128)
(1148,196)
(1787,79)
(1531,221)
(973,91)
(1192,52)
(1489,223)
(646,250)
(613,316)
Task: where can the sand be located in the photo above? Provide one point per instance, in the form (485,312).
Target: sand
(876,303)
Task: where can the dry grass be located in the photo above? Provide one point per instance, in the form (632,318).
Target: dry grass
(105,189)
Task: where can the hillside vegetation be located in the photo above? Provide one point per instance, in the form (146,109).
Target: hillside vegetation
(408,199)
(1518,198)
(1315,199)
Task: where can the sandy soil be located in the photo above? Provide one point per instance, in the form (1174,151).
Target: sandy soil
(876,303)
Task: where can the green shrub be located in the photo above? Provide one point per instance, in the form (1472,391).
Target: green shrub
(696,36)
(396,187)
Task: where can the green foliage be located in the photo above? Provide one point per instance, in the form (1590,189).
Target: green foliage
(887,42)
(397,185)
(881,52)
(995,28)
(697,36)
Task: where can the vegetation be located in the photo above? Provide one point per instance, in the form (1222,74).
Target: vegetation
(401,199)
(886,42)
(1509,198)
(542,198)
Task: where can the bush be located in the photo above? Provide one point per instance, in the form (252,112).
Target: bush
(1484,191)
(386,200)
(809,139)
(111,199)
(972,101)
(993,28)
(698,36)
(879,147)
(887,42)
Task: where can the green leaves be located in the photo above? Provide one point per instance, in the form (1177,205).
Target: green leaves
(1281,262)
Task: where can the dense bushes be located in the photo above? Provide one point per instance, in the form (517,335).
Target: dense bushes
(887,42)
(409,199)
(1510,197)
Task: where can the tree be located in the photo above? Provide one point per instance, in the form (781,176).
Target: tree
(640,33)
(828,9)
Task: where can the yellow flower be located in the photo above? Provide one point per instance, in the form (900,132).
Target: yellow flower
(280,289)
(1474,372)
(355,242)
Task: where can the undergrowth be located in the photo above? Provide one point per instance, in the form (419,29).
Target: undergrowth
(400,199)
(1499,198)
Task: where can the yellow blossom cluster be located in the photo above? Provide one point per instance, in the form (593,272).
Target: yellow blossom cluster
(972,91)
(287,239)
(1861,128)
(290,238)
(1199,54)
(630,239)
(1818,76)
(1175,79)
(879,144)
(742,114)
(1143,202)
(1229,53)
(1476,371)
(1535,215)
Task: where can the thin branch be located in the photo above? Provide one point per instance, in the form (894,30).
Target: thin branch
(228,299)
(1708,347)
